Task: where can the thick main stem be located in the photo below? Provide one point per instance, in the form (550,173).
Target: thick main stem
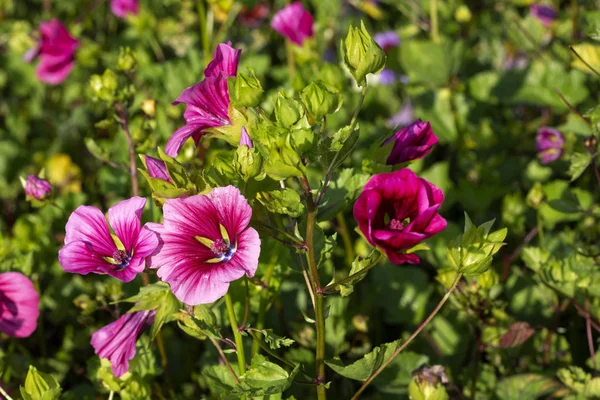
(131,148)
(239,343)
(434,21)
(311,221)
(410,339)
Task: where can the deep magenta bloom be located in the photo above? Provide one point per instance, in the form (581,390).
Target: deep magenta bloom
(550,144)
(398,210)
(37,188)
(205,244)
(294,22)
(89,246)
(19,305)
(121,8)
(387,40)
(545,14)
(56,50)
(411,143)
(207,102)
(116,341)
(245,138)
(157,169)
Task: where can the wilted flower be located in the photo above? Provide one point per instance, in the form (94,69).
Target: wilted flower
(207,101)
(387,40)
(205,244)
(89,246)
(245,138)
(37,188)
(411,143)
(402,117)
(398,210)
(116,341)
(294,22)
(550,144)
(56,50)
(157,168)
(121,8)
(545,14)
(19,305)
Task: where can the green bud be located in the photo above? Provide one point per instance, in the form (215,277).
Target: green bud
(126,60)
(248,163)
(39,385)
(287,111)
(245,90)
(535,197)
(428,384)
(472,252)
(362,55)
(104,86)
(320,100)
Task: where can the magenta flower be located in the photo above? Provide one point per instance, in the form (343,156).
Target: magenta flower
(56,50)
(550,144)
(37,188)
(387,40)
(121,8)
(157,169)
(411,143)
(19,305)
(116,341)
(545,14)
(207,102)
(205,244)
(293,22)
(398,210)
(245,138)
(89,246)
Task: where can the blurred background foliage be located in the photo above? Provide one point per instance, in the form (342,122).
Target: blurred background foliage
(490,77)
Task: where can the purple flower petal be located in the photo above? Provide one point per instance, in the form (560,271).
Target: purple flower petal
(19,305)
(294,22)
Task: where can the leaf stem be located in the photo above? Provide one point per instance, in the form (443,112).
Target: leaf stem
(333,285)
(222,355)
(434,21)
(262,307)
(291,61)
(239,343)
(131,148)
(410,339)
(583,61)
(268,350)
(344,231)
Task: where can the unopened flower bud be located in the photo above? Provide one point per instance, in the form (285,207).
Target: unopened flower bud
(245,90)
(362,55)
(37,188)
(428,384)
(320,100)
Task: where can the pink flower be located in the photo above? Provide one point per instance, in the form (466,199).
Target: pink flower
(56,50)
(254,17)
(157,169)
(398,210)
(37,188)
(545,14)
(116,341)
(293,22)
(89,246)
(245,138)
(123,7)
(206,243)
(411,143)
(19,305)
(207,102)
(549,145)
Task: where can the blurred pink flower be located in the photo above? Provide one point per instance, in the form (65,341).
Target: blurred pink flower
(157,169)
(403,117)
(545,14)
(398,210)
(293,22)
(207,102)
(90,248)
(549,144)
(121,8)
(245,138)
(56,50)
(19,305)
(205,244)
(116,341)
(411,143)
(254,17)
(387,40)
(37,188)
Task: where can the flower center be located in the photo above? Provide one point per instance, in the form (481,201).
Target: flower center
(120,259)
(396,225)
(222,248)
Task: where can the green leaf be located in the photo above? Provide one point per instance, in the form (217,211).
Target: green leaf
(287,202)
(578,164)
(526,387)
(431,63)
(275,341)
(358,265)
(361,369)
(156,296)
(40,386)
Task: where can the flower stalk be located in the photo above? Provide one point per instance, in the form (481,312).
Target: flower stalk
(239,343)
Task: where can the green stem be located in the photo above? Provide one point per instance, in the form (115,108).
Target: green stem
(204,31)
(540,225)
(3,392)
(264,302)
(348,247)
(410,339)
(311,221)
(224,358)
(111,395)
(434,21)
(239,343)
(291,61)
(268,350)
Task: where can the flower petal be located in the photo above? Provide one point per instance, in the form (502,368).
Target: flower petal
(226,59)
(233,210)
(19,305)
(125,219)
(87,224)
